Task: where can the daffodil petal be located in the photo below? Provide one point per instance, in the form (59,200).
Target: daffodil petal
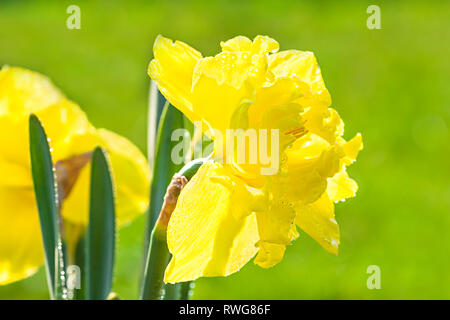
(275,227)
(260,45)
(222,82)
(172,68)
(317,220)
(341,187)
(209,232)
(269,254)
(14,174)
(130,175)
(21,252)
(23,92)
(324,122)
(282,91)
(61,122)
(264,45)
(75,207)
(301,64)
(310,161)
(352,148)
(14,143)
(236,44)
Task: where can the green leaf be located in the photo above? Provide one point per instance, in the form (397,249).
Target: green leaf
(80,260)
(155,110)
(60,270)
(164,168)
(47,202)
(100,239)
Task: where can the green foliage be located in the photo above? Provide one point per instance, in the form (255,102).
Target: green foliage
(158,255)
(46,198)
(163,167)
(100,238)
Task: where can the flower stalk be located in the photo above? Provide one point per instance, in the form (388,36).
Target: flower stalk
(158,254)
(186,290)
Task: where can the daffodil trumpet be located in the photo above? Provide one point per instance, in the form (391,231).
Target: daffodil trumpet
(234,210)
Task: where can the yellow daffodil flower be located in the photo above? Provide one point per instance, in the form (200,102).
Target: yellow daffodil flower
(23,92)
(229,212)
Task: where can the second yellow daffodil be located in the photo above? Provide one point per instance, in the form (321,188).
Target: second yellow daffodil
(23,92)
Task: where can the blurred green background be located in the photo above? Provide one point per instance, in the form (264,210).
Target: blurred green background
(392,85)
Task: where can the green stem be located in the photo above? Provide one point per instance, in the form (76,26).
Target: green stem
(172,291)
(158,255)
(186,290)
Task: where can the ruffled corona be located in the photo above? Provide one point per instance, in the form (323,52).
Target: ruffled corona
(23,92)
(230,211)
